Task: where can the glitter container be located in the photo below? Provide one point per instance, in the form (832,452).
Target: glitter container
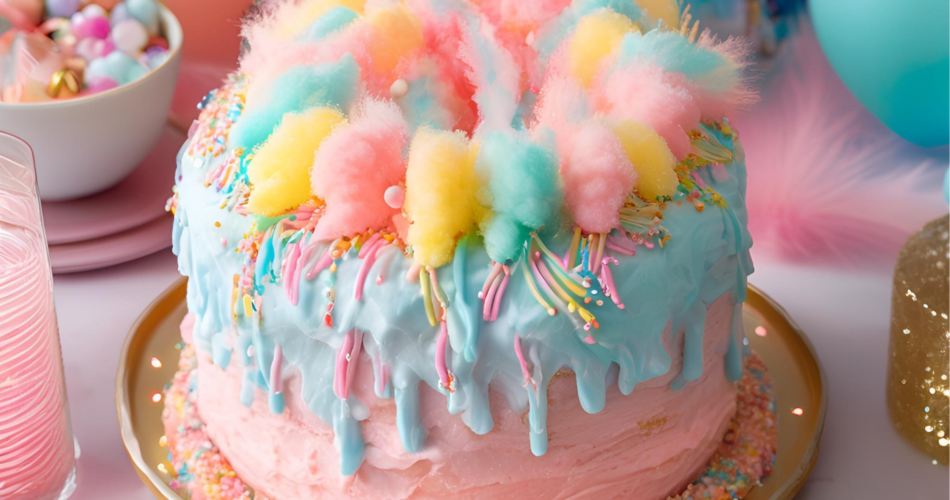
(918,389)
(37,450)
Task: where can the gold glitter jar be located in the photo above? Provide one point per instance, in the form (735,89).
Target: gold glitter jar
(918,390)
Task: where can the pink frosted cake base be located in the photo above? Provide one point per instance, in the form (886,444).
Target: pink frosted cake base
(292,456)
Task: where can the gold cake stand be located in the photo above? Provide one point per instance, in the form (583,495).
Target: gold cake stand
(150,359)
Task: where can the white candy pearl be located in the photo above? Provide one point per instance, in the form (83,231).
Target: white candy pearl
(399,88)
(394,196)
(130,36)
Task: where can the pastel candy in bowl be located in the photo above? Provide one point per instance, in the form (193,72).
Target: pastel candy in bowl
(88,144)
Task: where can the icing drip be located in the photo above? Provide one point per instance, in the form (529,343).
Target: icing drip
(469,315)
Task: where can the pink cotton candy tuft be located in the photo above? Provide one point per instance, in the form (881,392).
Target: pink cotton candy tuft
(264,65)
(520,15)
(598,177)
(355,166)
(666,102)
(442,34)
(563,108)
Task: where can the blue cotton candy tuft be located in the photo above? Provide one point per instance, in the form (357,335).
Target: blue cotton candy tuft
(297,90)
(558,30)
(675,54)
(522,189)
(422,108)
(334,20)
(494,74)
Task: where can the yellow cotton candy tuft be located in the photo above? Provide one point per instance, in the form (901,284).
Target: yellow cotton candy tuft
(667,11)
(396,32)
(440,194)
(280,169)
(310,11)
(594,38)
(651,157)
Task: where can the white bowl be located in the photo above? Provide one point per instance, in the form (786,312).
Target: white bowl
(89,144)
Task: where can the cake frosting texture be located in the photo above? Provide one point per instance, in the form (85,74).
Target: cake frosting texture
(472,220)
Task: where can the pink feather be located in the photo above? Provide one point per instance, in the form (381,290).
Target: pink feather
(562,108)
(827,182)
(355,165)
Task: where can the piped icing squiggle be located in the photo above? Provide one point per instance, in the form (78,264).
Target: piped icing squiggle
(476,203)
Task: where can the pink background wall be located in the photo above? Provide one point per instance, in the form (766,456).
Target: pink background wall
(211,47)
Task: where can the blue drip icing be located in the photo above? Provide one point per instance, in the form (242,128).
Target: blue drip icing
(734,355)
(276,402)
(538,420)
(469,315)
(178,228)
(221,350)
(408,420)
(692,346)
(591,380)
(349,438)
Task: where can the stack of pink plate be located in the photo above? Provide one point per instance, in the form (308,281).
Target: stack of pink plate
(125,223)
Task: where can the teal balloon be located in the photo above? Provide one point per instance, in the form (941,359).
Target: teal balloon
(894,56)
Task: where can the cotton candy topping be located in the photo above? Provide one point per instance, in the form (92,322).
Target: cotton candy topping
(280,169)
(354,168)
(441,187)
(439,119)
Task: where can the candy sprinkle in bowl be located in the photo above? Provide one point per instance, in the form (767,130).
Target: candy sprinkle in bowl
(88,144)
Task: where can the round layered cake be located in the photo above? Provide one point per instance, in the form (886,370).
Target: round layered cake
(472,249)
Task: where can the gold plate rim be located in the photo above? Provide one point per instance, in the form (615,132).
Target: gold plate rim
(134,343)
(130,362)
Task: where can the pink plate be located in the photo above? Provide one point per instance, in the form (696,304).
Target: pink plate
(134,202)
(114,249)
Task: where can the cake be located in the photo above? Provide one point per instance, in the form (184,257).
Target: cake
(468,249)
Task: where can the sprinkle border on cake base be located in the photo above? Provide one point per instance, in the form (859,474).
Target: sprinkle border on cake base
(743,459)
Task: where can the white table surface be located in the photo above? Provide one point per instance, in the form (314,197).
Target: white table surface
(844,312)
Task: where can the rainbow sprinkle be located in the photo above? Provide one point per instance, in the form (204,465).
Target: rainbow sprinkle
(199,470)
(748,449)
